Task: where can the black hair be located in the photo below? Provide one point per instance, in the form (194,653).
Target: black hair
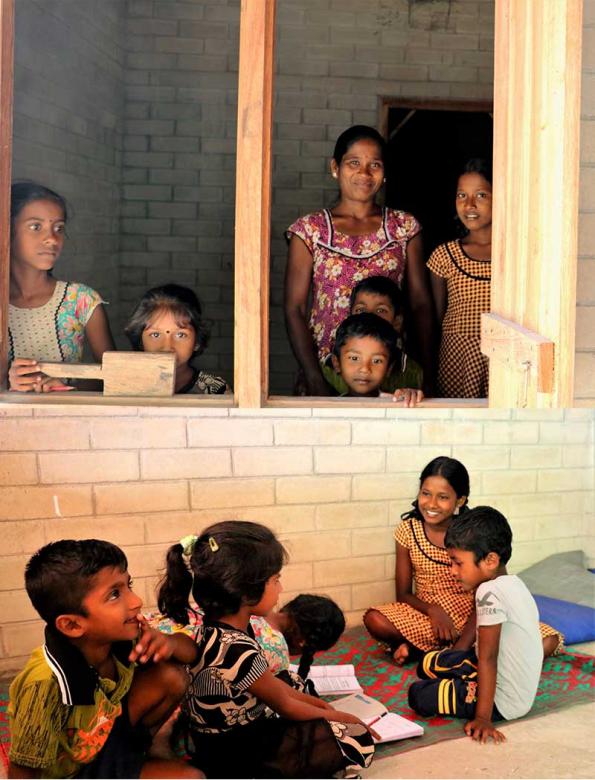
(181,301)
(453,472)
(229,566)
(60,575)
(358,133)
(379,285)
(320,623)
(481,530)
(24,192)
(358,326)
(480,165)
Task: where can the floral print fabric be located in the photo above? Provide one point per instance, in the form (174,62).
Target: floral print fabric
(56,330)
(340,261)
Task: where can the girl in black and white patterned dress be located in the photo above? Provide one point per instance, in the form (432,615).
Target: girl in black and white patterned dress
(244,721)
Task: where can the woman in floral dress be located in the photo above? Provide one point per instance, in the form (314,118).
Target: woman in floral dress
(331,250)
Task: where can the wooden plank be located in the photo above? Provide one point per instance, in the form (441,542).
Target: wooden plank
(253,202)
(519,349)
(148,374)
(6,88)
(536,166)
(192,405)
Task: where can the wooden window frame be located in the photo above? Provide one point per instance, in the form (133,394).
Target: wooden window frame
(536,161)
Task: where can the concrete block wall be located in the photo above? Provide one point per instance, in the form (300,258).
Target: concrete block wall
(68,113)
(178,170)
(331,482)
(585,313)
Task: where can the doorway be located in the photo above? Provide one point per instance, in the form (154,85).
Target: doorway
(428,143)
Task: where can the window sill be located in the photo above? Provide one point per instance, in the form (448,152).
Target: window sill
(85,398)
(282,401)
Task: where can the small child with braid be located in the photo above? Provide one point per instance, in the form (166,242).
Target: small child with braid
(306,625)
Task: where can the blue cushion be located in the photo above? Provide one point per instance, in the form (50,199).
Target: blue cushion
(575,621)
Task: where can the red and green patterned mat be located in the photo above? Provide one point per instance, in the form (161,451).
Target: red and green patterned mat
(567,679)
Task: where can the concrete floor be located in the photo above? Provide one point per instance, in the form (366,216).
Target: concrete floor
(559,745)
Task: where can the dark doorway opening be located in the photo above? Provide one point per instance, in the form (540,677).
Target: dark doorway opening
(428,143)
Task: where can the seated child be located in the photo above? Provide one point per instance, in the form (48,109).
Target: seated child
(306,625)
(381,296)
(169,319)
(80,707)
(242,720)
(500,682)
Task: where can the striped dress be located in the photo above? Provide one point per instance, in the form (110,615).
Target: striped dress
(236,735)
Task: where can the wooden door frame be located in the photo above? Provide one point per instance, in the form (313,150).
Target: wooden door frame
(536,141)
(6,98)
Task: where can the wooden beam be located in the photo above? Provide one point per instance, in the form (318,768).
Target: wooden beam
(253,202)
(536,167)
(6,81)
(519,349)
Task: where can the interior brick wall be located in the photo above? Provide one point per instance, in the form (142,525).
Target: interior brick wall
(68,122)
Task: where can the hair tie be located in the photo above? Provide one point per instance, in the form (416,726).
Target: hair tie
(213,544)
(188,543)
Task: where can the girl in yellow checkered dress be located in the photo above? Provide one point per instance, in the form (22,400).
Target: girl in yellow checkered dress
(437,612)
(460,277)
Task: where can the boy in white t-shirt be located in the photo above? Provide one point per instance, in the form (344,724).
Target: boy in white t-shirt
(498,680)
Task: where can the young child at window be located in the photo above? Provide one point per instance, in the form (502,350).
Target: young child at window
(460,277)
(169,319)
(235,570)
(498,680)
(365,349)
(81,706)
(438,611)
(48,320)
(381,296)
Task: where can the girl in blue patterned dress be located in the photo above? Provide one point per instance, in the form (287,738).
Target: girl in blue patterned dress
(245,722)
(48,319)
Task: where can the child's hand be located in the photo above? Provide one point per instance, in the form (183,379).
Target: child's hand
(24,375)
(442,625)
(481,730)
(405,396)
(50,384)
(151,645)
(345,717)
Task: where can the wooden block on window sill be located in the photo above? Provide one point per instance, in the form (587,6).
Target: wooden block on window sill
(518,348)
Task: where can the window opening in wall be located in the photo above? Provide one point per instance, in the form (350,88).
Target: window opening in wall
(145,161)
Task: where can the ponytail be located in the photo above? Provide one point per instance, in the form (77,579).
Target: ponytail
(174,588)
(306,660)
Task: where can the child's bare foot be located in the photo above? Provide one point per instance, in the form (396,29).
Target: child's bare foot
(401,654)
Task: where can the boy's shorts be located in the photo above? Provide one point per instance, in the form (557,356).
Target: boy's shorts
(124,752)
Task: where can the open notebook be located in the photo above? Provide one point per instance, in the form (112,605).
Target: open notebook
(338,678)
(388,725)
